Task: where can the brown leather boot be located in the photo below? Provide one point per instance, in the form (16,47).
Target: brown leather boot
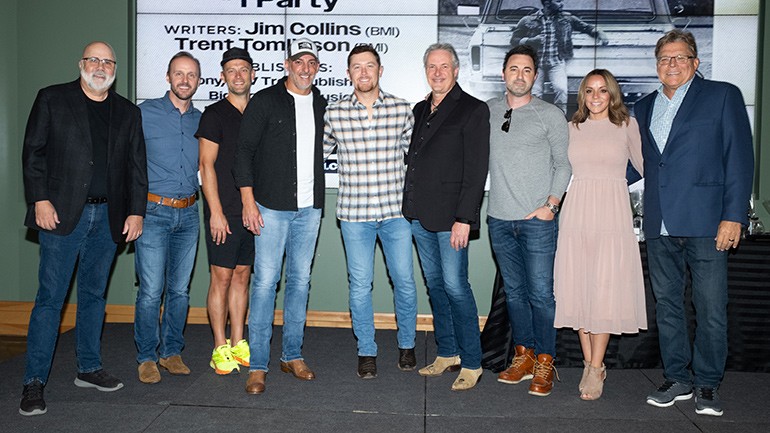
(542,382)
(256,382)
(521,368)
(298,368)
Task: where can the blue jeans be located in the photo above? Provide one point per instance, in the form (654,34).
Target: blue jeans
(92,242)
(455,316)
(556,72)
(396,238)
(295,233)
(165,255)
(668,258)
(525,250)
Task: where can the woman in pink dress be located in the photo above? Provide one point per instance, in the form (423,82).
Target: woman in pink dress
(598,281)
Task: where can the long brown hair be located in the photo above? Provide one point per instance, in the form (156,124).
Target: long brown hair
(618,112)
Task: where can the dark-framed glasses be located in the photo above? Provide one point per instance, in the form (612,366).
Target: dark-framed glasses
(95,61)
(680,60)
(507,124)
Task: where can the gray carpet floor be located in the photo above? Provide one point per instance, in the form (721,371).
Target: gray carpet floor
(338,401)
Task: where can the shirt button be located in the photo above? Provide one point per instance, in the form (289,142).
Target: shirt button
(90,163)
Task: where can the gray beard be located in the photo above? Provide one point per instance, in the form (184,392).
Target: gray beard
(89,79)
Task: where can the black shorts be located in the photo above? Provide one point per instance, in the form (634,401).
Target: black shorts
(238,248)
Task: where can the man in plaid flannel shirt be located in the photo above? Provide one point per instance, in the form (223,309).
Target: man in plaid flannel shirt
(371,131)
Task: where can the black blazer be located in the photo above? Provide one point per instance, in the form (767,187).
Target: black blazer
(57,157)
(447,162)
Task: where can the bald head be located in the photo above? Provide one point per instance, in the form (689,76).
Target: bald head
(101,46)
(97,69)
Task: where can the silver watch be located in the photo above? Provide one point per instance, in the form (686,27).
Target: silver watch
(552,207)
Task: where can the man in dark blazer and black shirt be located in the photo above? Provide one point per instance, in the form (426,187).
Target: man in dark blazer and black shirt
(85,183)
(446,171)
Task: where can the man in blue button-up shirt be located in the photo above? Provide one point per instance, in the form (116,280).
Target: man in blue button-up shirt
(698,170)
(166,253)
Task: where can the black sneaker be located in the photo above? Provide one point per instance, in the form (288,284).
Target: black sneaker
(707,401)
(669,393)
(367,367)
(32,402)
(406,360)
(100,380)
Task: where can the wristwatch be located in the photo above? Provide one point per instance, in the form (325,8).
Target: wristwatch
(552,207)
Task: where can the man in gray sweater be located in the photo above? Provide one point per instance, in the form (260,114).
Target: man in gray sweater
(529,172)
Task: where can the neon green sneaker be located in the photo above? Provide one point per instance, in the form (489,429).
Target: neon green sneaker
(222,360)
(241,353)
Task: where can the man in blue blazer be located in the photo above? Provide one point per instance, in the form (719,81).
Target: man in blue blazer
(698,165)
(85,183)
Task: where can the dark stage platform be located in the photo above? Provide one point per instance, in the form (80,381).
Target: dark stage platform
(338,401)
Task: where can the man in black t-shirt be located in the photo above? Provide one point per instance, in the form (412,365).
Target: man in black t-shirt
(230,246)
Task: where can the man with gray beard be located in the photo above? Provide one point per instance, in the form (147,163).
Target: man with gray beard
(85,183)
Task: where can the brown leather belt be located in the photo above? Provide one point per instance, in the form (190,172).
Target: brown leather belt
(179,203)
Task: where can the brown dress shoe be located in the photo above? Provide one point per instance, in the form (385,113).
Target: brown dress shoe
(522,367)
(542,382)
(298,368)
(174,365)
(256,382)
(148,372)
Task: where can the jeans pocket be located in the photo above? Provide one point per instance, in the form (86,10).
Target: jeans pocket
(153,206)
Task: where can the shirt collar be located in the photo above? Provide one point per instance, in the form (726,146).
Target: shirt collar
(678,93)
(380,99)
(169,106)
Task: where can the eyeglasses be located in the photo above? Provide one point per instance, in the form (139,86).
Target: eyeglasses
(680,60)
(507,124)
(94,61)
